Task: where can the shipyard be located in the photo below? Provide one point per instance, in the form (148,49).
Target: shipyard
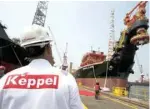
(102,46)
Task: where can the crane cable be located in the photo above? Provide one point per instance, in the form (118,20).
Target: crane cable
(139,66)
(58,53)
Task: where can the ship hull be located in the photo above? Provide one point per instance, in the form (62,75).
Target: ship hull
(88,75)
(110,82)
(99,71)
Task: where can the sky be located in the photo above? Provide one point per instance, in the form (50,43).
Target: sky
(81,24)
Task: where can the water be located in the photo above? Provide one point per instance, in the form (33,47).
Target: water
(139,92)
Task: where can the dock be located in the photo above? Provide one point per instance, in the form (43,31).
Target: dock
(108,101)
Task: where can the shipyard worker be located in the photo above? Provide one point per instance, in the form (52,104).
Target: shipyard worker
(97,90)
(38,85)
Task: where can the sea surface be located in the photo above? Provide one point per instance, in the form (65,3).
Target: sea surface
(139,92)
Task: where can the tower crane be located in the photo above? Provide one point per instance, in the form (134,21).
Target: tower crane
(110,46)
(40,18)
(40,14)
(111,36)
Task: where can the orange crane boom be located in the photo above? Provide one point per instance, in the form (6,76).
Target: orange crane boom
(139,14)
(140,3)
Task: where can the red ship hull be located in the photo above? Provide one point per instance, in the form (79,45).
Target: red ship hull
(110,83)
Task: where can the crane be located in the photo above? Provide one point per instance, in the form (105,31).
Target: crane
(110,45)
(141,10)
(111,36)
(40,14)
(140,69)
(142,3)
(40,18)
(65,64)
(55,44)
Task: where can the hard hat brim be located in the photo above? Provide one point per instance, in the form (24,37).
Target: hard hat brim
(35,43)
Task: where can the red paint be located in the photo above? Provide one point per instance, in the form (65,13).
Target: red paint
(86,93)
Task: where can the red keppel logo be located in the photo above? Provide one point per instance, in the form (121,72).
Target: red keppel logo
(31,81)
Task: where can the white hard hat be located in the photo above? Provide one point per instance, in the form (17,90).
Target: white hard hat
(34,35)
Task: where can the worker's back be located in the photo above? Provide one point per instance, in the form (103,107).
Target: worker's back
(36,86)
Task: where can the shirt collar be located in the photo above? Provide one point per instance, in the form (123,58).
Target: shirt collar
(40,62)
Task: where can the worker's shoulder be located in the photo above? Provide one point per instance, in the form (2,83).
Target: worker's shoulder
(13,72)
(18,71)
(70,79)
(70,76)
(55,70)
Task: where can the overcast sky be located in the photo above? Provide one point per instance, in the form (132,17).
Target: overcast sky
(81,24)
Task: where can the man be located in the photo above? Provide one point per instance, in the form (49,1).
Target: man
(97,90)
(38,85)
